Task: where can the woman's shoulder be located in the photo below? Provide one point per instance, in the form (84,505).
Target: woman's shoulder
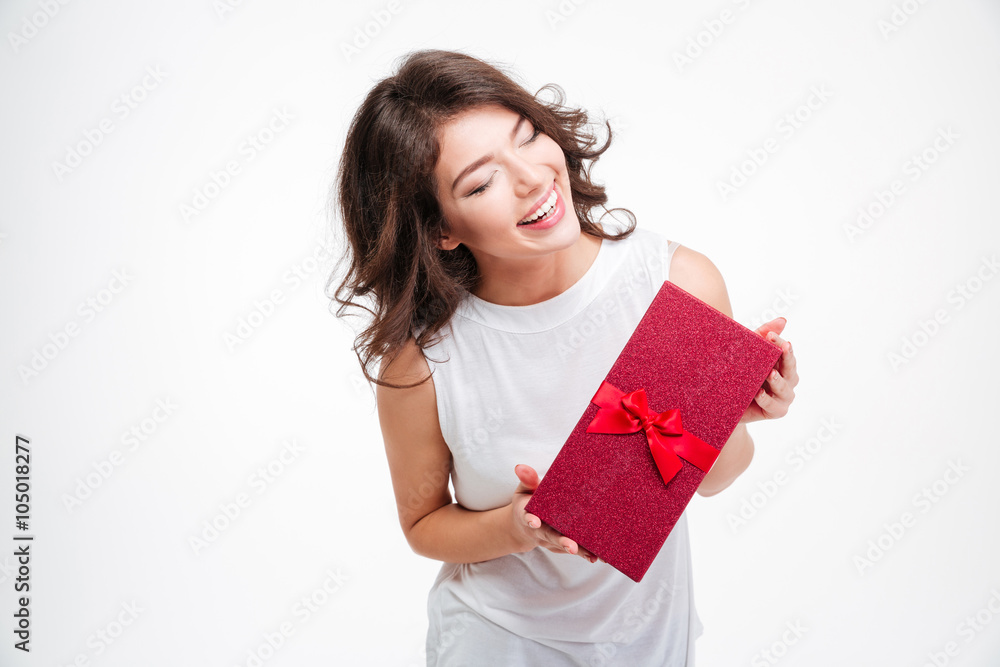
(639,243)
(648,240)
(640,234)
(404,366)
(688,268)
(696,274)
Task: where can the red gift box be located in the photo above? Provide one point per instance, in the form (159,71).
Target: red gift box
(653,430)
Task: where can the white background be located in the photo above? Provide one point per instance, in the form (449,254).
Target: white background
(328,518)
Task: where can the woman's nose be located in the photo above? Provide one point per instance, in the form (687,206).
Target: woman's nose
(529,178)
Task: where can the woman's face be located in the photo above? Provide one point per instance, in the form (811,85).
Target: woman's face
(495,171)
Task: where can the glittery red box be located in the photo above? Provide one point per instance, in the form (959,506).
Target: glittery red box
(604,490)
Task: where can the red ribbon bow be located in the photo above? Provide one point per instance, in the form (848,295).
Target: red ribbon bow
(668,441)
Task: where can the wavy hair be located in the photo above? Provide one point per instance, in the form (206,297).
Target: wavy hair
(384,195)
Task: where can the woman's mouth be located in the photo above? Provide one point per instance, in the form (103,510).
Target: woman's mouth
(548,214)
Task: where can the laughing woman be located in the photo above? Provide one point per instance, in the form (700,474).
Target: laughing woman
(467,204)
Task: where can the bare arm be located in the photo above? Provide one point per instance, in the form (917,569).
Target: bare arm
(732,462)
(420,465)
(693,272)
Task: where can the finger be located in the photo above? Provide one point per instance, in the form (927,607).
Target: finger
(787,357)
(788,362)
(776,326)
(763,399)
(556,541)
(777,383)
(781,389)
(527,477)
(548,537)
(569,545)
(559,543)
(787,366)
(532,521)
(790,376)
(575,548)
(777,340)
(772,406)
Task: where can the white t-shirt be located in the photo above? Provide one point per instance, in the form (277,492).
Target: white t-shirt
(511,383)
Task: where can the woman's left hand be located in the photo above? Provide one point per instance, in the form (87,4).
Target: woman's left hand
(777,392)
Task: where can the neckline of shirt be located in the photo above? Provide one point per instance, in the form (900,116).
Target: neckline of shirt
(548,314)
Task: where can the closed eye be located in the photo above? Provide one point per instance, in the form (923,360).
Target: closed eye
(482,188)
(485,186)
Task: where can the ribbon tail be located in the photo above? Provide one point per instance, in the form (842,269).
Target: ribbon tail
(696,451)
(667,462)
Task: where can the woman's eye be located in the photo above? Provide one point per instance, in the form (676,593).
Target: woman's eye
(482,188)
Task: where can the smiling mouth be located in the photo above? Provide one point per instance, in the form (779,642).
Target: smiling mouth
(544,210)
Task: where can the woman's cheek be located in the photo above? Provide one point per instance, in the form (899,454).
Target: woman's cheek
(498,208)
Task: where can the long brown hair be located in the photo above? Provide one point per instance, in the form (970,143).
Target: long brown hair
(385,195)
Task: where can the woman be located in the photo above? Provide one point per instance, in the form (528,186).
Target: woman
(497,307)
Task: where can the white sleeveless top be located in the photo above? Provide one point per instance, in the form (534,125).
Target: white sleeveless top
(511,383)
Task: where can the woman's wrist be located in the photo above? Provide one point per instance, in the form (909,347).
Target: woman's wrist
(518,539)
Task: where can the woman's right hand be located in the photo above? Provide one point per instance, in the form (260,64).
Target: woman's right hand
(529,531)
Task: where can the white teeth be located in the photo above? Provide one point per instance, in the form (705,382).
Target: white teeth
(545,208)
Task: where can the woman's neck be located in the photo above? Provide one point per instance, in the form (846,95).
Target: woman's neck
(530,281)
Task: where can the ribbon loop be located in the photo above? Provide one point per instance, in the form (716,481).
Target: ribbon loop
(623,413)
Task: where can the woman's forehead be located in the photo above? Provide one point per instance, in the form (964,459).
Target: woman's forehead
(469,136)
(474,117)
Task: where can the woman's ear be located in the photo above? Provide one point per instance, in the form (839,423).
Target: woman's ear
(446,242)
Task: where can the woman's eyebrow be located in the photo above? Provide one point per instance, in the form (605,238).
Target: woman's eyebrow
(484,159)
